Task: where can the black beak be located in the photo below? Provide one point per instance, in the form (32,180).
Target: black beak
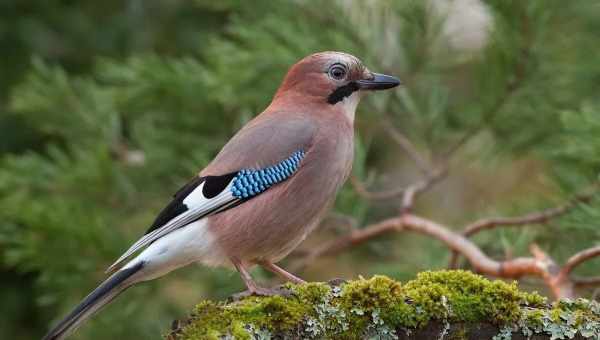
(378,82)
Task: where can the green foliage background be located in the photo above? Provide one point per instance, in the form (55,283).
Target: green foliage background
(106,108)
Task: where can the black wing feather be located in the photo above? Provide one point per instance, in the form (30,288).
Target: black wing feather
(216,184)
(213,185)
(176,206)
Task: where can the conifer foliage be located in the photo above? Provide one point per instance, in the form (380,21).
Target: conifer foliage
(107,108)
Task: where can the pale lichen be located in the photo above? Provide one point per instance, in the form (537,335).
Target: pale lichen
(382,308)
(564,320)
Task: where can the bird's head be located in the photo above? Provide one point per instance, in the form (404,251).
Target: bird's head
(332,78)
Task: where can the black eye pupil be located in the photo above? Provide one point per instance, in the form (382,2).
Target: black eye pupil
(337,72)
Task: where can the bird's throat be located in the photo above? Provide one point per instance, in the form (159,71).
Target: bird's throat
(349,104)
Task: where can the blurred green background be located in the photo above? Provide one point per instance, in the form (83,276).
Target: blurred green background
(107,108)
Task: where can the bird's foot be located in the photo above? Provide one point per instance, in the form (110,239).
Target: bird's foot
(260,291)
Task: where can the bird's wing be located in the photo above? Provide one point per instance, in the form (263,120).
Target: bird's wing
(257,158)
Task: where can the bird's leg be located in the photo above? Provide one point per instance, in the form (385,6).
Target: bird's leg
(253,288)
(248,281)
(275,269)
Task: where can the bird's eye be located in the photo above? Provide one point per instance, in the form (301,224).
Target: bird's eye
(337,72)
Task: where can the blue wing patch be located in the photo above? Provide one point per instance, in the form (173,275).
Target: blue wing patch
(249,182)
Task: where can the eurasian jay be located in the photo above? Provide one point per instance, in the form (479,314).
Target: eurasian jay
(263,193)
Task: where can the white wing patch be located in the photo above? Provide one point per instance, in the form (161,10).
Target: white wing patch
(195,197)
(198,207)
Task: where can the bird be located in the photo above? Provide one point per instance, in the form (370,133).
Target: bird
(262,194)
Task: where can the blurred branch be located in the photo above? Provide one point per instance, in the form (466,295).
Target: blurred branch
(581,282)
(579,258)
(338,221)
(539,265)
(411,192)
(362,191)
(408,193)
(408,147)
(536,217)
(354,238)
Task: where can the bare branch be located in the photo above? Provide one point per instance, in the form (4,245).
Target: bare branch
(408,147)
(480,261)
(531,218)
(539,265)
(361,190)
(513,268)
(560,286)
(336,220)
(536,217)
(582,282)
(354,238)
(417,158)
(411,192)
(579,258)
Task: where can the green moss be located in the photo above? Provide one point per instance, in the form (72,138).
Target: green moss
(380,295)
(310,292)
(259,313)
(463,296)
(379,307)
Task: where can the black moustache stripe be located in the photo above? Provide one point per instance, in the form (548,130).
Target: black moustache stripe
(342,92)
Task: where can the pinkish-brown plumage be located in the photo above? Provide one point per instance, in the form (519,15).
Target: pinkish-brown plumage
(277,220)
(207,222)
(299,118)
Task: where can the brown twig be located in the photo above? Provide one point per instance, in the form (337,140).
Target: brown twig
(337,245)
(409,148)
(362,190)
(412,191)
(409,192)
(536,217)
(408,222)
(336,220)
(539,265)
(582,282)
(579,258)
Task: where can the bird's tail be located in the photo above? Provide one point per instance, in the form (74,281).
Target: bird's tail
(97,299)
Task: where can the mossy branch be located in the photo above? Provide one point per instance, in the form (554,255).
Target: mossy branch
(436,305)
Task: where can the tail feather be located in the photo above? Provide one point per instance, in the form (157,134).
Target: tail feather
(97,299)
